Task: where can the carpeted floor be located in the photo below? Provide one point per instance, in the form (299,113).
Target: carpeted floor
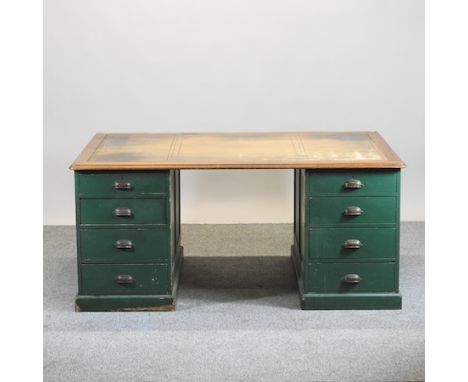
(237,319)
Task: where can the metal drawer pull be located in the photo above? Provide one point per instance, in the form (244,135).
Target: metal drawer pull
(124,279)
(353,184)
(353,211)
(123,244)
(352,244)
(123,211)
(351,278)
(122,186)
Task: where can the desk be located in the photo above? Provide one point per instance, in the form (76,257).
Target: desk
(346,214)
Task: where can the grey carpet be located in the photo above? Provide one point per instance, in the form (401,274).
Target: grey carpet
(237,319)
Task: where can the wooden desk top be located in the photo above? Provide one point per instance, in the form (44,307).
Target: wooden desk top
(151,151)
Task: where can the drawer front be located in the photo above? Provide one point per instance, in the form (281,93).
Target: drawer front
(331,210)
(352,243)
(116,245)
(123,184)
(329,277)
(353,182)
(121,279)
(131,211)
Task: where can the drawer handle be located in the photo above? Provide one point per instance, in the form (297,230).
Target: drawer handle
(123,244)
(123,186)
(124,279)
(351,278)
(353,184)
(353,211)
(123,211)
(352,244)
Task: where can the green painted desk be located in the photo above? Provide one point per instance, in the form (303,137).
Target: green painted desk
(346,214)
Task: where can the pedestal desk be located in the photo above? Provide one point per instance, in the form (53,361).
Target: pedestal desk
(346,214)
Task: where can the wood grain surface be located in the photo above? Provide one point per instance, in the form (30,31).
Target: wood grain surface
(146,151)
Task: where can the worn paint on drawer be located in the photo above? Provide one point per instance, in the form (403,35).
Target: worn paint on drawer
(123,245)
(122,184)
(143,211)
(328,277)
(330,243)
(331,210)
(372,182)
(99,279)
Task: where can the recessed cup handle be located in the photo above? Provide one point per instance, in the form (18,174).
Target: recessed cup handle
(352,244)
(124,279)
(351,278)
(123,212)
(353,184)
(353,211)
(123,244)
(122,186)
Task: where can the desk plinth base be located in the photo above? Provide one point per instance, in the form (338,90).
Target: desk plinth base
(133,303)
(370,301)
(340,301)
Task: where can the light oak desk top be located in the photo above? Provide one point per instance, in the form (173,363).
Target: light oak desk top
(155,151)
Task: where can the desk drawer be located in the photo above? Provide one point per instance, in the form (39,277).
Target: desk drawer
(353,182)
(352,243)
(360,277)
(117,245)
(333,210)
(119,279)
(122,184)
(123,211)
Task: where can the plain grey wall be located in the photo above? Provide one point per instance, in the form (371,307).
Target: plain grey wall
(232,65)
